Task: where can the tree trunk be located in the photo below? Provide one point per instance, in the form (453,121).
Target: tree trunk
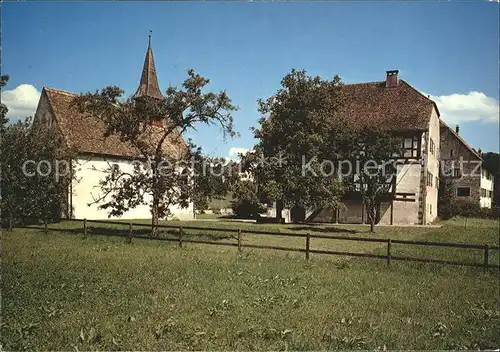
(154,216)
(10,221)
(156,198)
(371,215)
(279,209)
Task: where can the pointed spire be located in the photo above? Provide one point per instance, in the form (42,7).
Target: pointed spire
(149,82)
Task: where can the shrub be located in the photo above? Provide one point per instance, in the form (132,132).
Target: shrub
(472,209)
(216,210)
(469,209)
(247,209)
(487,213)
(245,200)
(447,207)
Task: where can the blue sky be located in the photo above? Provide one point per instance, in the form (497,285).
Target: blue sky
(447,50)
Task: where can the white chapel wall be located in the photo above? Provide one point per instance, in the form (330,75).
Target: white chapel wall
(85,188)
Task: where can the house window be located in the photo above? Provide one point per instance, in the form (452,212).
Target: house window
(451,153)
(357,187)
(486,193)
(411,147)
(432,146)
(457,173)
(429,179)
(430,209)
(463,191)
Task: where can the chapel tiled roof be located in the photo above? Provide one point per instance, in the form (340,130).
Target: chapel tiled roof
(86,134)
(398,109)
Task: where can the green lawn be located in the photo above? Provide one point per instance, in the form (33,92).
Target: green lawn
(63,292)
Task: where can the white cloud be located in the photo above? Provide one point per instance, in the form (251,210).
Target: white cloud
(21,101)
(474,106)
(234,151)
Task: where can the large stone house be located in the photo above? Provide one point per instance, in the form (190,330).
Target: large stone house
(471,180)
(398,107)
(96,153)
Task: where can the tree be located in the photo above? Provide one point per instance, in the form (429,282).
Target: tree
(213,177)
(246,202)
(305,142)
(296,134)
(447,207)
(374,157)
(35,173)
(35,170)
(3,109)
(151,126)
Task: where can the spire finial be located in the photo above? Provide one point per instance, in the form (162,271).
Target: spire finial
(150,32)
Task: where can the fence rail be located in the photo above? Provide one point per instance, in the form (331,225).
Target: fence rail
(307,250)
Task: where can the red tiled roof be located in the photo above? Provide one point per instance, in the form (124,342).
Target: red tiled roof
(399,109)
(86,134)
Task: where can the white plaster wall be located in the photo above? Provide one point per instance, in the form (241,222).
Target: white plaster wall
(407,181)
(86,186)
(485,202)
(433,167)
(485,183)
(352,214)
(385,214)
(285,213)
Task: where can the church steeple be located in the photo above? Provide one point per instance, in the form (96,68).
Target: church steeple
(149,82)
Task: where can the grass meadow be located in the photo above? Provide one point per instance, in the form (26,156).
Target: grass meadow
(63,292)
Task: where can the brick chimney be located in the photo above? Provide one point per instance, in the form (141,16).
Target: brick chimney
(457,129)
(391,79)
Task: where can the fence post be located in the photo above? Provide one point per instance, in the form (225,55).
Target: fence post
(308,245)
(389,251)
(129,236)
(486,255)
(239,240)
(85,228)
(45,225)
(180,236)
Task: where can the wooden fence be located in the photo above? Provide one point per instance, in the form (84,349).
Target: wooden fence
(307,248)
